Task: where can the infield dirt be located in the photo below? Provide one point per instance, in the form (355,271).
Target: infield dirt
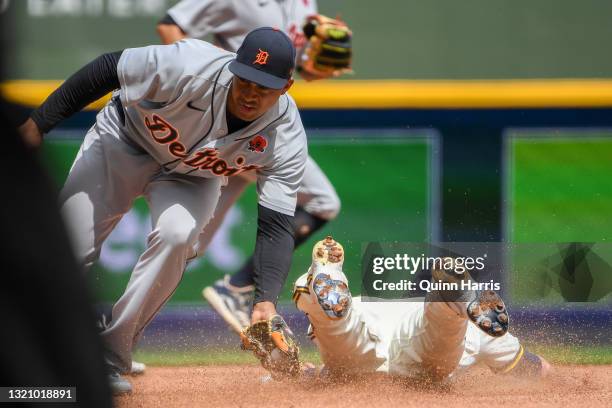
(241,386)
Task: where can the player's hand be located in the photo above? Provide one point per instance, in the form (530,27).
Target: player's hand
(263,311)
(30,133)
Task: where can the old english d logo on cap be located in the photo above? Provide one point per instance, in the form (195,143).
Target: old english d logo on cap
(266,57)
(261,58)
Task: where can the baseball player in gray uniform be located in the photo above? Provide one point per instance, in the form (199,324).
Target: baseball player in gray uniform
(228,22)
(183,120)
(431,339)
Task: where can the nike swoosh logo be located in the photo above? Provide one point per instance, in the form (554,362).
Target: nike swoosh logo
(189,105)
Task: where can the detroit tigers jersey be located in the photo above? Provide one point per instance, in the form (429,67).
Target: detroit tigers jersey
(174,98)
(229,21)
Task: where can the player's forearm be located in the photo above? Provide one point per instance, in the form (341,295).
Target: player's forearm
(87,85)
(273,253)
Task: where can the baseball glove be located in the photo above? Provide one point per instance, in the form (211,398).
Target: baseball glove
(274,345)
(328,51)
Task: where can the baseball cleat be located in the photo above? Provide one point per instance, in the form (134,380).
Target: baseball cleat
(489,313)
(326,279)
(118,384)
(137,368)
(448,276)
(325,285)
(332,294)
(485,309)
(230,302)
(328,251)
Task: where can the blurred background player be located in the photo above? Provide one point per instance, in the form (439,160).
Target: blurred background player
(422,340)
(228,22)
(48,336)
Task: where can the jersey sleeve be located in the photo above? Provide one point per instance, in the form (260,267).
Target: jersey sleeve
(198,18)
(157,73)
(148,73)
(277,184)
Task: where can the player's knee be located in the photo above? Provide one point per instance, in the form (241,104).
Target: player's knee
(178,234)
(331,209)
(325,211)
(325,206)
(334,209)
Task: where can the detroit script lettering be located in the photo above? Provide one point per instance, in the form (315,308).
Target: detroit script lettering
(207,159)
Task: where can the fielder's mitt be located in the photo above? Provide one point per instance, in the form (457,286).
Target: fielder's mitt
(328,51)
(274,345)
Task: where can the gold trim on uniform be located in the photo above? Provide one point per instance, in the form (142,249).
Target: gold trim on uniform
(298,290)
(513,364)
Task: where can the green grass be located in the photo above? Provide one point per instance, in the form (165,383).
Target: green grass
(564,354)
(557,354)
(216,356)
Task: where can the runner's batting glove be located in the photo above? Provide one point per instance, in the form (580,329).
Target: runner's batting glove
(274,345)
(328,52)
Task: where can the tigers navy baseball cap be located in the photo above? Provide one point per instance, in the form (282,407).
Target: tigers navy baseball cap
(266,57)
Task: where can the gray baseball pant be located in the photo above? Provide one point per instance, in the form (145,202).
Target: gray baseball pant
(106,177)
